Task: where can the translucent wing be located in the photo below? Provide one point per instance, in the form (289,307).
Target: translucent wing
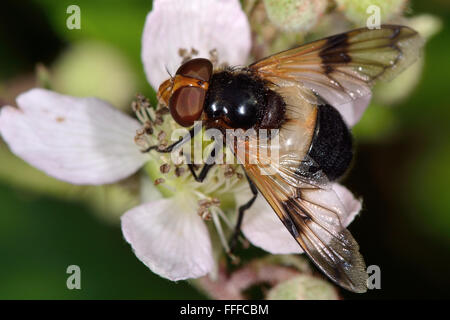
(338,70)
(313,217)
(306,204)
(286,153)
(341,68)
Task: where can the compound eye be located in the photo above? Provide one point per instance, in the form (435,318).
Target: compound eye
(199,68)
(186,105)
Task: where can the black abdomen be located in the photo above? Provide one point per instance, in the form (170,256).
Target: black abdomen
(331,148)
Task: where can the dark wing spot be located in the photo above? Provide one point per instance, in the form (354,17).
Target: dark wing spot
(335,51)
(328,69)
(290,205)
(288,223)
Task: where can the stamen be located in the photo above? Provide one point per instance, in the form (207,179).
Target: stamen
(204,213)
(161,136)
(162,110)
(141,140)
(159,119)
(216,212)
(219,229)
(179,171)
(150,120)
(186,55)
(225,219)
(141,106)
(229,171)
(162,146)
(164,168)
(214,57)
(194,52)
(148,128)
(203,209)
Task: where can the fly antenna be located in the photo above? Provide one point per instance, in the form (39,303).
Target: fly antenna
(168,72)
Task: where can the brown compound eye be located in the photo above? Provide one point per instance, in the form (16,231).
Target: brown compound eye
(186,105)
(199,68)
(190,85)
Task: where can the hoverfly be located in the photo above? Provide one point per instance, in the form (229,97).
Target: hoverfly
(297,91)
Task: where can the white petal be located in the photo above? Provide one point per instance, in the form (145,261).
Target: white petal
(351,205)
(78,140)
(172,240)
(203,25)
(352,111)
(264,229)
(148,191)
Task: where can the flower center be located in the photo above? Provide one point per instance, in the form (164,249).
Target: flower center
(214,196)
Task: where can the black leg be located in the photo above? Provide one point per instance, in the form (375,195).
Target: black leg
(203,172)
(205,168)
(169,148)
(241,210)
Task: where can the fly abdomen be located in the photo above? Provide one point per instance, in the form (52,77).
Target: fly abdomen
(331,149)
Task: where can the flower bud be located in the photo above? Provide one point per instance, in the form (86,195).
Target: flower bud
(94,69)
(303,287)
(295,15)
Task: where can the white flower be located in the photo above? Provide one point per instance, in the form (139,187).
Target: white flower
(202,25)
(87,141)
(78,140)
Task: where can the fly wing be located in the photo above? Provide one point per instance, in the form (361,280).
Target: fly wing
(306,204)
(286,151)
(343,67)
(340,70)
(313,217)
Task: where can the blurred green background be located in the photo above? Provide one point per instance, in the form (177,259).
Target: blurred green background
(402,166)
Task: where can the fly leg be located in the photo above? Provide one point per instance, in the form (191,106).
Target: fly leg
(173,146)
(205,169)
(203,172)
(241,210)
